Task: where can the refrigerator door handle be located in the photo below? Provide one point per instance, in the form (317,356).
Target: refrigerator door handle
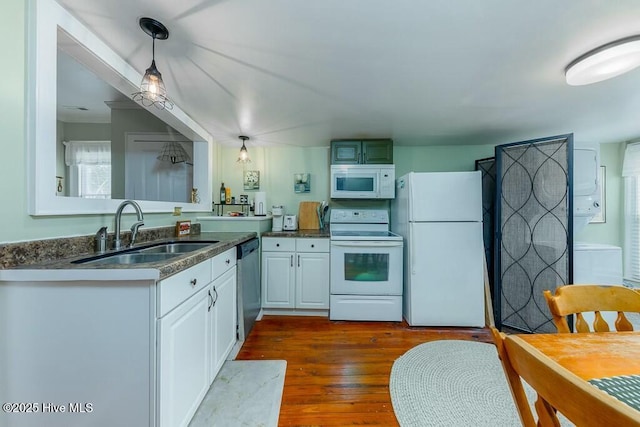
(412,251)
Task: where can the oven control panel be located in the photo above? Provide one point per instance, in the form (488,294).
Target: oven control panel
(360,216)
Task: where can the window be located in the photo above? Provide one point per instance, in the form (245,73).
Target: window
(631,174)
(94,181)
(89,165)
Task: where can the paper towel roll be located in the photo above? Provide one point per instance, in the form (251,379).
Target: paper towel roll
(260,203)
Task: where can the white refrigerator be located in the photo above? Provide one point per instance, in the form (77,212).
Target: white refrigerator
(439,215)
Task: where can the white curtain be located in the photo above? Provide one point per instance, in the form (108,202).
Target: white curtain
(631,174)
(89,168)
(87,152)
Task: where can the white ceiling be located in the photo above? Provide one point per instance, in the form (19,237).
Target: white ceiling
(297,72)
(81,95)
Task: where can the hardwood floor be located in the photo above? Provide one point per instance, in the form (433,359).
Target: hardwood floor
(338,372)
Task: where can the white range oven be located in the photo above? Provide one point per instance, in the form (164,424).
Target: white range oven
(366,266)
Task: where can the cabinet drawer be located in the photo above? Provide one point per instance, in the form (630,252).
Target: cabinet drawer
(312,245)
(223,262)
(278,244)
(177,288)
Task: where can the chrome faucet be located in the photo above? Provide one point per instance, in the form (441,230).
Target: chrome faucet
(134,228)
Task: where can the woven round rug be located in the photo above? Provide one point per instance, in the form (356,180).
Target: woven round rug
(453,383)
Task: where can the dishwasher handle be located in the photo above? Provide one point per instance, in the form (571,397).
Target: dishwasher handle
(247,248)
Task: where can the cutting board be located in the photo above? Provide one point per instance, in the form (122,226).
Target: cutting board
(308,216)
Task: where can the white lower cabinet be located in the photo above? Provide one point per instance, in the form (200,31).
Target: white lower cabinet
(222,320)
(278,279)
(312,280)
(184,359)
(295,273)
(195,337)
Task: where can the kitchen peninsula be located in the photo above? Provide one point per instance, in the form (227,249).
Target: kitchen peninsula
(129,344)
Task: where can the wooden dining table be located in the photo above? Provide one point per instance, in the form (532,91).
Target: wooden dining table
(593,379)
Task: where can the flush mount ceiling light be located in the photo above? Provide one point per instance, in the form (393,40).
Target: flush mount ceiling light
(173,152)
(605,62)
(244,154)
(152,90)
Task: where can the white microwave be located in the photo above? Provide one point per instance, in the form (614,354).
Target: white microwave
(363,181)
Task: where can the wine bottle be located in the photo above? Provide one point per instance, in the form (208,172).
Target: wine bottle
(223,194)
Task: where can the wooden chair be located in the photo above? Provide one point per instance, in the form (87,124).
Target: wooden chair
(515,384)
(578,299)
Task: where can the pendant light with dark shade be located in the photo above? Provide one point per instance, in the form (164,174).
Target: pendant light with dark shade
(173,152)
(244,154)
(152,90)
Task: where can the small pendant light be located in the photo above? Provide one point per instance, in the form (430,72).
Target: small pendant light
(173,152)
(152,90)
(244,154)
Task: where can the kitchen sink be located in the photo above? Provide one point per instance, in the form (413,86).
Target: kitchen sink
(152,253)
(174,248)
(127,258)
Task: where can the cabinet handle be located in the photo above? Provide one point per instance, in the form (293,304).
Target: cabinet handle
(215,300)
(277,245)
(228,261)
(298,260)
(211,304)
(291,260)
(193,282)
(313,246)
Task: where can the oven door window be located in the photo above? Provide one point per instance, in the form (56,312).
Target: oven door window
(363,267)
(352,183)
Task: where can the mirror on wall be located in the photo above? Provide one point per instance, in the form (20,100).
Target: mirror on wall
(90,146)
(108,146)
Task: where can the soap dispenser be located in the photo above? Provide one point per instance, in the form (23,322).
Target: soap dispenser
(101,240)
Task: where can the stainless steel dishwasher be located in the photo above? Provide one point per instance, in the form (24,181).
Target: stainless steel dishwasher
(249,298)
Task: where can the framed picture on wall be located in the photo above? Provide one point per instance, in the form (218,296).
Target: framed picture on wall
(301,182)
(601,218)
(252,180)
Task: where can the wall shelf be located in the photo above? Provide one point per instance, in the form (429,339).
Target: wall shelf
(219,208)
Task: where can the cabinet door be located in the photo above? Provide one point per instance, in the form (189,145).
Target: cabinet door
(278,279)
(377,151)
(345,152)
(183,360)
(223,319)
(312,280)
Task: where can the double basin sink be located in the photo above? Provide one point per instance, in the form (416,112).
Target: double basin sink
(144,254)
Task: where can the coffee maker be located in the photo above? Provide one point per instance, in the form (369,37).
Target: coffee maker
(278,216)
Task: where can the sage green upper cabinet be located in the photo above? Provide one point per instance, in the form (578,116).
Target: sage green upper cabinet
(345,152)
(365,151)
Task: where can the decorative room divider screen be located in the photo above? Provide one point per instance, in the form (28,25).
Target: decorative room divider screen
(487,167)
(533,229)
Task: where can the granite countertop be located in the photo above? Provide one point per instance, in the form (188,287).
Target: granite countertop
(298,233)
(150,270)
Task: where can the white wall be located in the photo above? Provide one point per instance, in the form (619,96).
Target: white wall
(277,165)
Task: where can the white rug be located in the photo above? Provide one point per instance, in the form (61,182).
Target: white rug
(454,383)
(245,393)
